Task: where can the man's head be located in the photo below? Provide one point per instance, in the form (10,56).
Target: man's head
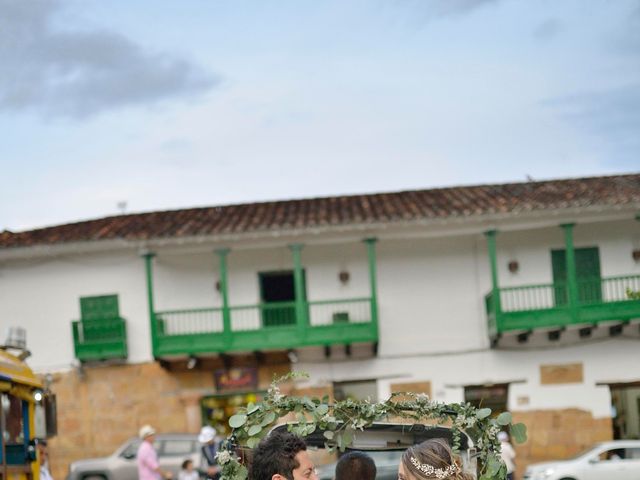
(355,466)
(42,450)
(282,456)
(147,433)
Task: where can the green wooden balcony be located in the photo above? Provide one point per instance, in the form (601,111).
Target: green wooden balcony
(103,339)
(282,325)
(531,307)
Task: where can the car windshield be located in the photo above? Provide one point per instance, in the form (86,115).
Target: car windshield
(584,452)
(386,457)
(131,450)
(386,461)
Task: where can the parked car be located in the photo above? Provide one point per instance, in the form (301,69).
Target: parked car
(172,450)
(386,442)
(615,460)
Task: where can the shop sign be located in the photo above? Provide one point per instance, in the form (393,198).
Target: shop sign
(236,378)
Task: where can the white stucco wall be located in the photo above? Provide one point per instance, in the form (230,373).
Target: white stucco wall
(607,361)
(43,296)
(430,297)
(184,281)
(531,248)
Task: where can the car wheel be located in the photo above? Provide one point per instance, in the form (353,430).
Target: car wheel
(567,478)
(94,476)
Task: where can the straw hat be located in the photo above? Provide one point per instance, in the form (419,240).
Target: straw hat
(207,434)
(146,431)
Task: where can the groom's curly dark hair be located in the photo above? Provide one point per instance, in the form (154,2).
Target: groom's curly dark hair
(276,454)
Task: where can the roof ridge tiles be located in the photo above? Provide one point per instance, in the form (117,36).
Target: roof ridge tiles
(384,207)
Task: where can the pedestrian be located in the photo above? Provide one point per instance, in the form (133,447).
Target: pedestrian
(355,466)
(147,458)
(43,456)
(432,458)
(187,472)
(282,456)
(508,454)
(210,442)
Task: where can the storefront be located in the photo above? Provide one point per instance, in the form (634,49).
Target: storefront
(237,387)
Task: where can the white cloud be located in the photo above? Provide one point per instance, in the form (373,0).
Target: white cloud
(82,73)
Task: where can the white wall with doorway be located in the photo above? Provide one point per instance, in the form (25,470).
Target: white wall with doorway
(626,411)
(521,369)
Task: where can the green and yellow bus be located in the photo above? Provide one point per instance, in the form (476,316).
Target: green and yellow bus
(23,401)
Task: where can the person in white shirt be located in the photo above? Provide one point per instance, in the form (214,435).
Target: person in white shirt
(43,457)
(508,454)
(188,472)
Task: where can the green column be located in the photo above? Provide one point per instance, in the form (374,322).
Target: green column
(226,314)
(148,263)
(298,285)
(493,260)
(572,279)
(373,278)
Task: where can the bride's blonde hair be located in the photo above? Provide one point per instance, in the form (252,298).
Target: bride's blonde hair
(433,458)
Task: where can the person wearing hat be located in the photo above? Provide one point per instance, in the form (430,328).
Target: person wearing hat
(208,437)
(147,458)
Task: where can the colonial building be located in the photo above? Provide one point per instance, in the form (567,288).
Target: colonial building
(520,297)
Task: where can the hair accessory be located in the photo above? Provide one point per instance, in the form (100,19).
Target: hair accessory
(430,470)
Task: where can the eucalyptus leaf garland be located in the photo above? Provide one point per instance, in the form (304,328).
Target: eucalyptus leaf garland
(342,420)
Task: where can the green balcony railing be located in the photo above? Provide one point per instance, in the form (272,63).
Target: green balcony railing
(280,325)
(530,307)
(253,317)
(100,339)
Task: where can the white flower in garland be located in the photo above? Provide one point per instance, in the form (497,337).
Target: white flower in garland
(275,393)
(223,457)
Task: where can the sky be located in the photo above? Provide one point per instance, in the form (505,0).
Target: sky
(120,105)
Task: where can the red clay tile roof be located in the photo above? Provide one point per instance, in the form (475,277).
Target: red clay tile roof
(413,205)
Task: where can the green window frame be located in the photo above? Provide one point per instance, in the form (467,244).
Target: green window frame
(279,312)
(587,275)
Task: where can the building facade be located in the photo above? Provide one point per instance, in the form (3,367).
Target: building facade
(520,297)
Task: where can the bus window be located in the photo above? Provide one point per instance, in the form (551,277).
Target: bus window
(45,417)
(13,435)
(51,414)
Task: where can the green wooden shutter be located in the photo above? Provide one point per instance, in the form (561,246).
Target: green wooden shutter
(104,307)
(559,267)
(587,274)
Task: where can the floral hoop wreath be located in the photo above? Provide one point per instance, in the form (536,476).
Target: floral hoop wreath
(342,420)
